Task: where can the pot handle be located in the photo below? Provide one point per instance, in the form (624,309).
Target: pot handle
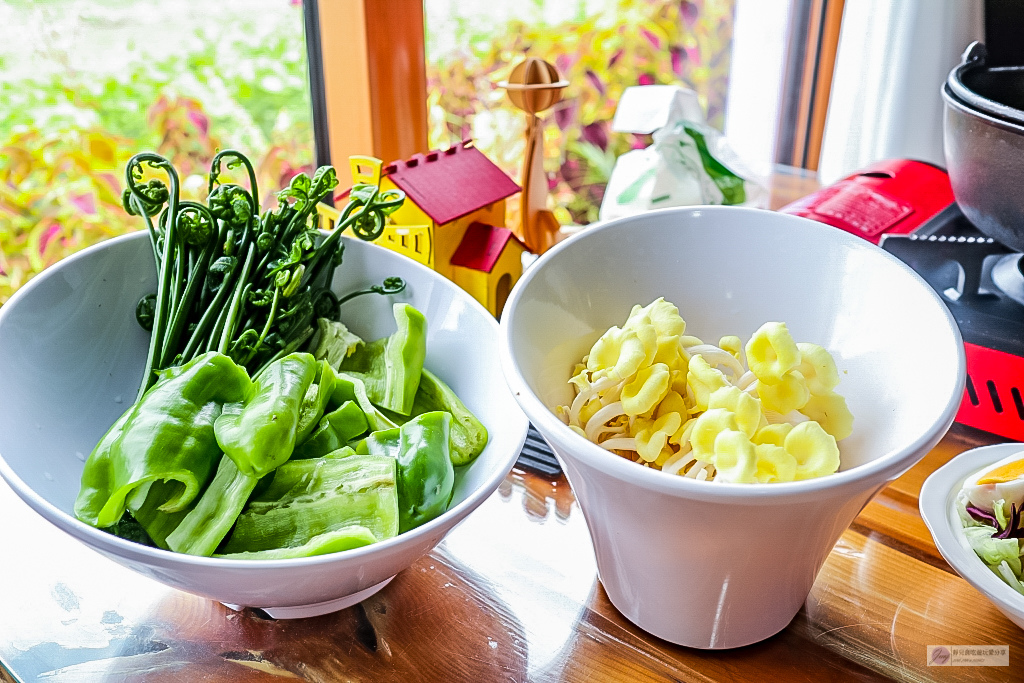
(975,52)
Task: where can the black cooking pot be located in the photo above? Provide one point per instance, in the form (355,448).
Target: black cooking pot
(983,136)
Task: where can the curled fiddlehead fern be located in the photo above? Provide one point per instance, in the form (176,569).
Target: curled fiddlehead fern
(147,199)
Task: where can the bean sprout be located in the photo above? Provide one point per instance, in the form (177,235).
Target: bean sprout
(650,416)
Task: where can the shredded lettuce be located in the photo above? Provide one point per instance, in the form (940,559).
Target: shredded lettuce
(994,551)
(1001,555)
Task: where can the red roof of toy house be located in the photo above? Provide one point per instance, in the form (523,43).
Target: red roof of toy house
(451,183)
(481,246)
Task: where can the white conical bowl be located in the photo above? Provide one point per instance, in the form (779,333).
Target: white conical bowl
(707,564)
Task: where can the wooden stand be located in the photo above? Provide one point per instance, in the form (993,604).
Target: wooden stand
(534,86)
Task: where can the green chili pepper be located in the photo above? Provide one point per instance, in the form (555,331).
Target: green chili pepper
(426,478)
(144,505)
(350,388)
(336,429)
(345,538)
(167,435)
(309,498)
(206,525)
(468,435)
(391,367)
(259,433)
(315,402)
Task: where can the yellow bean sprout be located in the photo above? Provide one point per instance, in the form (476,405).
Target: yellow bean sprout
(763,412)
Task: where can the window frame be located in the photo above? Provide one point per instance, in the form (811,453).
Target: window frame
(368,80)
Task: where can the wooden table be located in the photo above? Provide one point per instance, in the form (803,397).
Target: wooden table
(510,595)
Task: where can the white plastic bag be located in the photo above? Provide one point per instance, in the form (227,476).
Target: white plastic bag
(689,163)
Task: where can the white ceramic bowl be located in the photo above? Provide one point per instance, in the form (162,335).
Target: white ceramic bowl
(716,565)
(71,360)
(937,505)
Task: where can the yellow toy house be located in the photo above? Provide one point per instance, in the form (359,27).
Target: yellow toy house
(451,219)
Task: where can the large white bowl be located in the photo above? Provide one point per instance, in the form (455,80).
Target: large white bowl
(937,503)
(71,360)
(716,565)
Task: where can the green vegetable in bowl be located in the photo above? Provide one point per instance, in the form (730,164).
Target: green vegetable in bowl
(426,477)
(336,430)
(310,498)
(259,432)
(350,388)
(201,530)
(390,368)
(242,443)
(231,280)
(468,436)
(166,436)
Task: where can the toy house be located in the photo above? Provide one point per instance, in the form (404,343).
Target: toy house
(452,219)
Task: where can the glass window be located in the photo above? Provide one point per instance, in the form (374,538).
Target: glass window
(84,84)
(600,47)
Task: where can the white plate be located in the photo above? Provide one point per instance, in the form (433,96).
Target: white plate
(937,504)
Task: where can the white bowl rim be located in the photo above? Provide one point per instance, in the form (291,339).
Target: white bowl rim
(148,554)
(936,503)
(885,467)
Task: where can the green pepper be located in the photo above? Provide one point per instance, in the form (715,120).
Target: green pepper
(167,435)
(468,435)
(206,525)
(426,478)
(144,505)
(308,498)
(316,400)
(390,367)
(336,429)
(350,388)
(259,433)
(345,538)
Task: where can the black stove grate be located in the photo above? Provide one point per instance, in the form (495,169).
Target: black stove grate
(957,261)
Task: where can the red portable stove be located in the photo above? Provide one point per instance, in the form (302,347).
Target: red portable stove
(889,197)
(907,208)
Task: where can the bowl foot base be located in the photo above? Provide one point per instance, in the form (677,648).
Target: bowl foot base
(317,608)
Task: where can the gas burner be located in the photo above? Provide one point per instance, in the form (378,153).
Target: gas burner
(958,267)
(1008,276)
(981,282)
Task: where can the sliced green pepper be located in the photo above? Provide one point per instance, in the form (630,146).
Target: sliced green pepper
(316,400)
(259,433)
(206,525)
(468,434)
(349,388)
(145,503)
(336,429)
(345,538)
(167,435)
(426,478)
(390,367)
(308,498)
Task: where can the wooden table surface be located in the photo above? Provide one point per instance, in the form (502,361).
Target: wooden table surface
(510,595)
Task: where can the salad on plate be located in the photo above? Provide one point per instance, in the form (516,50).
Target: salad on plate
(989,505)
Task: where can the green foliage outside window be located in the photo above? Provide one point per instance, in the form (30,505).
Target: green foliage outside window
(66,134)
(633,42)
